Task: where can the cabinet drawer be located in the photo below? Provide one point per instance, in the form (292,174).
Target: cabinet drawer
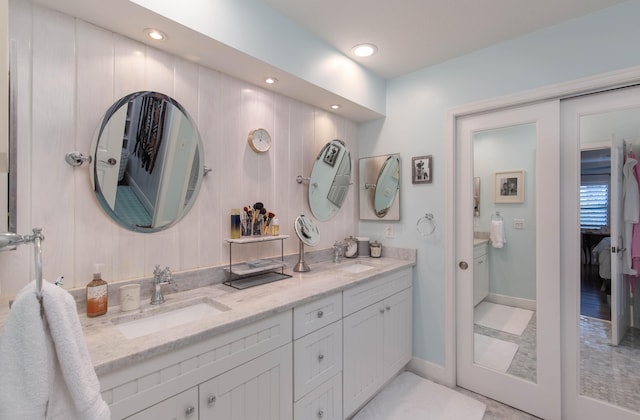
(316,358)
(374,291)
(480,250)
(313,315)
(323,403)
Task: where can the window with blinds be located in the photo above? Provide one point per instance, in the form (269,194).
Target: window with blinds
(594,206)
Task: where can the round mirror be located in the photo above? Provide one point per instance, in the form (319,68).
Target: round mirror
(387,185)
(307,230)
(147,162)
(330,180)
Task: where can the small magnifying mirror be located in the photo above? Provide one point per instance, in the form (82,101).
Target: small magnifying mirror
(308,234)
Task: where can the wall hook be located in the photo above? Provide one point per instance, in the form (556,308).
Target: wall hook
(76,158)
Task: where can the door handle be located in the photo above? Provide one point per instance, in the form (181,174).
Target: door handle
(463,265)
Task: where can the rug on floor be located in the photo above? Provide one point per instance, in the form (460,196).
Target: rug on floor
(501,317)
(410,397)
(493,353)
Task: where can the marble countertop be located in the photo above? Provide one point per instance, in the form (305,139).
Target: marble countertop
(110,350)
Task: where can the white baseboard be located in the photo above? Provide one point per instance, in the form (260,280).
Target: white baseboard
(431,371)
(512,301)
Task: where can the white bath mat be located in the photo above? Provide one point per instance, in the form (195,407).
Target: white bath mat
(493,353)
(410,397)
(502,317)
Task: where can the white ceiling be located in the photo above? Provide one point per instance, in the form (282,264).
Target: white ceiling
(412,34)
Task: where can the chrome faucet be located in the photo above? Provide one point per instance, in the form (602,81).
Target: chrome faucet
(160,277)
(338,251)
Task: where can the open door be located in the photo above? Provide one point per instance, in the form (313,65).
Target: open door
(620,296)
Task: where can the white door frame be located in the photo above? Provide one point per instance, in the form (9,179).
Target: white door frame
(602,82)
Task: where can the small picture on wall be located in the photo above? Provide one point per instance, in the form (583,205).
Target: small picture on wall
(509,187)
(422,169)
(332,155)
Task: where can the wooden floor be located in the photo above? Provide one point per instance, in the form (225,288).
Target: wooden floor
(593,300)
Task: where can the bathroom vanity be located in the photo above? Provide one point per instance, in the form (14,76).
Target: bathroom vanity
(480,270)
(317,345)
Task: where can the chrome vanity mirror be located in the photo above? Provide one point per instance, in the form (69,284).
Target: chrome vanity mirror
(147,162)
(308,234)
(330,180)
(380,187)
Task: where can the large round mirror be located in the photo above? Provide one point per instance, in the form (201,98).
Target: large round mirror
(330,180)
(147,162)
(387,185)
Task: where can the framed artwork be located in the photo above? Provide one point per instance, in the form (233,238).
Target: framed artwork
(509,187)
(422,169)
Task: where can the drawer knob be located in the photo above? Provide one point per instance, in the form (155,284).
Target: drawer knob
(388,308)
(211,399)
(321,357)
(320,414)
(190,410)
(320,314)
(381,310)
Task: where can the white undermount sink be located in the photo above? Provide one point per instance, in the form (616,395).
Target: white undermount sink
(357,268)
(162,317)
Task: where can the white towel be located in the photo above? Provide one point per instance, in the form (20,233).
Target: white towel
(497,234)
(45,364)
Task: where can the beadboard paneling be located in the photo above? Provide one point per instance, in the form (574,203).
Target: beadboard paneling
(69,72)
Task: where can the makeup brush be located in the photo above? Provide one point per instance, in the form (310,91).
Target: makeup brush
(270,217)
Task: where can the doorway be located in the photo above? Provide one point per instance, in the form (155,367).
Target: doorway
(601,381)
(515,155)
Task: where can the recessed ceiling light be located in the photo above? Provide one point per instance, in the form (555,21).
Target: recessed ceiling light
(364,50)
(270,80)
(155,34)
(335,106)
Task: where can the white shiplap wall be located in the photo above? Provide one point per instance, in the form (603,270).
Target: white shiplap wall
(69,72)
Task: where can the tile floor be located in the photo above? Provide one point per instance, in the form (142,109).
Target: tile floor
(608,373)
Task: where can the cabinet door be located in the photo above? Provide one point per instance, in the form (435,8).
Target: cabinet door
(323,403)
(480,278)
(257,390)
(183,406)
(363,357)
(398,330)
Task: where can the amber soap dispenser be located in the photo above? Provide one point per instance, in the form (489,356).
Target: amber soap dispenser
(97,294)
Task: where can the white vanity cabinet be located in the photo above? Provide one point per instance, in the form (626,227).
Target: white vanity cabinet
(377,336)
(317,359)
(259,389)
(252,361)
(480,272)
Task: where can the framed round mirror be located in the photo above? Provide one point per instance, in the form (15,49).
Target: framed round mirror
(147,162)
(330,180)
(379,187)
(387,185)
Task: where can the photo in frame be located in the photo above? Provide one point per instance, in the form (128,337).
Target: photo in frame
(509,187)
(422,169)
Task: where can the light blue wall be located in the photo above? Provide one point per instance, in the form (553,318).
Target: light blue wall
(416,108)
(512,270)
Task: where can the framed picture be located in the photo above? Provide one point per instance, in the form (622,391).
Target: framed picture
(509,187)
(422,169)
